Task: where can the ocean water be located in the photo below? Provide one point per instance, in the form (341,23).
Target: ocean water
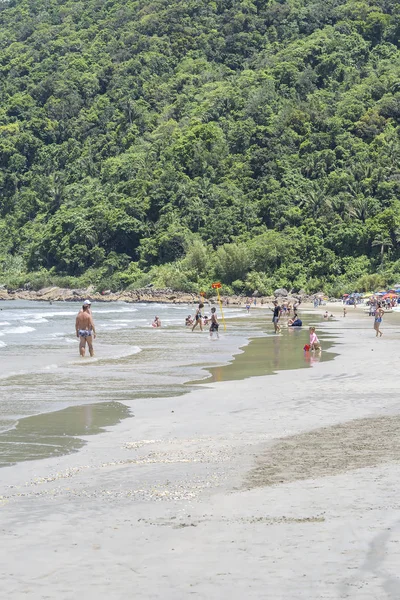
(41,370)
(49,395)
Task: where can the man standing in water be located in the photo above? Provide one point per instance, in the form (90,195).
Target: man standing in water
(275,319)
(85,329)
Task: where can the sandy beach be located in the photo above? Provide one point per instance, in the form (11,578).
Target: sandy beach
(282,487)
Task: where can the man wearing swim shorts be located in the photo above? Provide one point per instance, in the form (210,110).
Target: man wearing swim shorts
(85,329)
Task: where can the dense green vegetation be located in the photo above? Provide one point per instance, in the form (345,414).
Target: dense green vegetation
(178,141)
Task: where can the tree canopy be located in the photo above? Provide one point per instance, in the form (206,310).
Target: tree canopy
(176,141)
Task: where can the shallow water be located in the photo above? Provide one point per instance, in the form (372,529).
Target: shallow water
(272,353)
(41,371)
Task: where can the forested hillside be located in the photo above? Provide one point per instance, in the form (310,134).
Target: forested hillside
(178,141)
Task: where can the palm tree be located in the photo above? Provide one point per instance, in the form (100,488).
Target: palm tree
(360,208)
(317,202)
(383,243)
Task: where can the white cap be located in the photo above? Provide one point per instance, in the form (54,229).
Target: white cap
(87,303)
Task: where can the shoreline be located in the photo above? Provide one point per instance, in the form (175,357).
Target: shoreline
(224,490)
(43,423)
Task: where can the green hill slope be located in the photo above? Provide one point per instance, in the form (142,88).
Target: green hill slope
(179,141)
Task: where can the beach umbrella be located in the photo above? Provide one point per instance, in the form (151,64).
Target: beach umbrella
(345,295)
(368,294)
(389,296)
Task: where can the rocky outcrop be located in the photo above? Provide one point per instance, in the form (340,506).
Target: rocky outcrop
(56,294)
(164,296)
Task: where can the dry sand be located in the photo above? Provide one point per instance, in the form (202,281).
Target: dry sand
(283,487)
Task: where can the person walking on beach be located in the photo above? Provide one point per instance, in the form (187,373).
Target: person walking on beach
(378,319)
(198,320)
(276,316)
(85,329)
(214,322)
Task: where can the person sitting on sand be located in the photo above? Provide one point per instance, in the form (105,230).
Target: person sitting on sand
(189,321)
(156,322)
(214,323)
(314,341)
(198,318)
(85,330)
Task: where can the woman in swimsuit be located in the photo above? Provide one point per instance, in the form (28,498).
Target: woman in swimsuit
(198,318)
(378,320)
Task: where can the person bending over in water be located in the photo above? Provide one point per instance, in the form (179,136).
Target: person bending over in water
(198,318)
(295,322)
(378,319)
(85,330)
(314,341)
(214,323)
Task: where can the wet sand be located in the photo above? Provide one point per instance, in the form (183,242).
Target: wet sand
(284,488)
(273,353)
(55,433)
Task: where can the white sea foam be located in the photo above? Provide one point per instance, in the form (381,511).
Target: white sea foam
(22,329)
(106,354)
(124,320)
(2,344)
(102,311)
(111,325)
(59,313)
(36,321)
(123,352)
(50,367)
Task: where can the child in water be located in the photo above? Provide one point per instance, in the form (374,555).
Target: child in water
(214,323)
(314,341)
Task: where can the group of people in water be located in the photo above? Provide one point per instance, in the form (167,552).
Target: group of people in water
(294,322)
(86,331)
(200,320)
